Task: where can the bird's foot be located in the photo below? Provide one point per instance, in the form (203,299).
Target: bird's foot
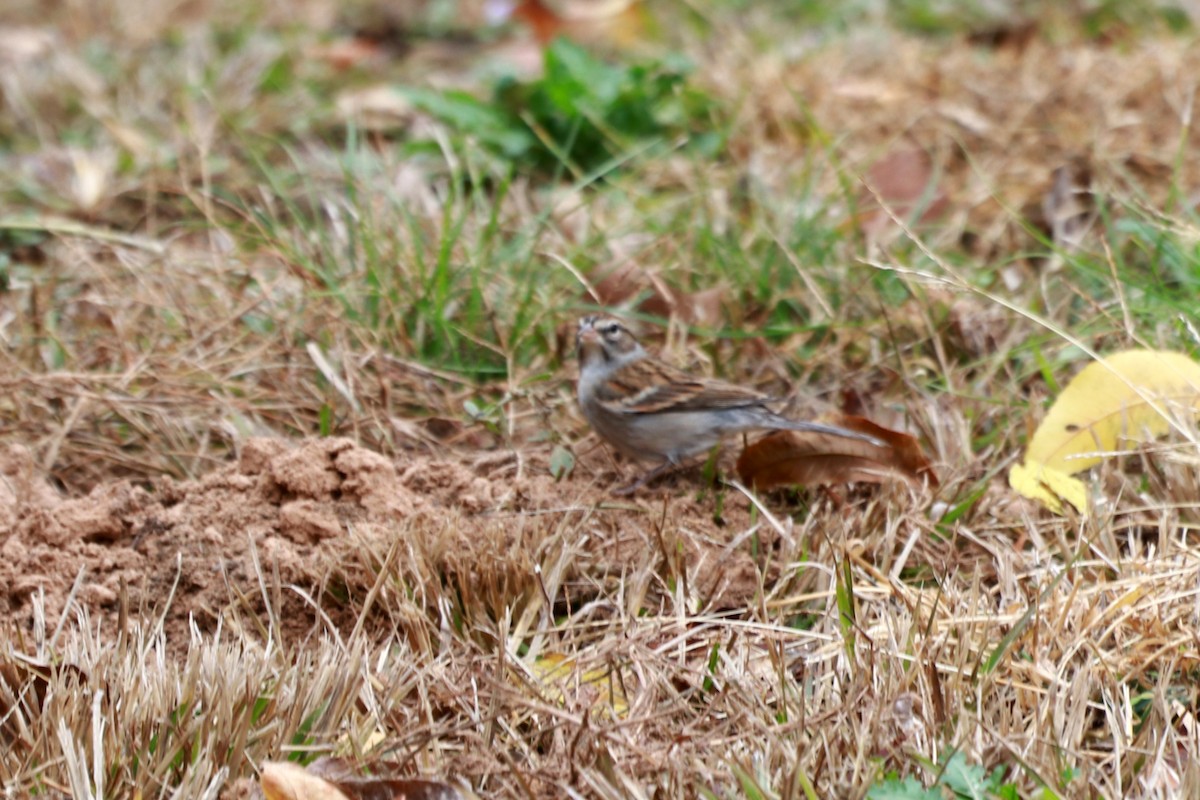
(665,468)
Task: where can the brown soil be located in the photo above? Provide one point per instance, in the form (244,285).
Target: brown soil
(311,524)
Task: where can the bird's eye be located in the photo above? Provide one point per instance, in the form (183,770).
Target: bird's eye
(611,330)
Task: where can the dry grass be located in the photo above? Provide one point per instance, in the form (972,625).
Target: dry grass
(196,253)
(1087,683)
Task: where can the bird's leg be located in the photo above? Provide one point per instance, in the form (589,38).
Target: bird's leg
(674,465)
(662,468)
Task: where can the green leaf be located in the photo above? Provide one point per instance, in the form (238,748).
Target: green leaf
(907,789)
(750,788)
(573,75)
(278,76)
(963,507)
(583,114)
(966,780)
(471,116)
(1018,629)
(714,658)
(562,461)
(844,592)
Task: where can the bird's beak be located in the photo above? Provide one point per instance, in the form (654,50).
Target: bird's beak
(587,344)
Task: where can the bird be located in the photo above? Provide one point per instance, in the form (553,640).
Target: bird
(652,411)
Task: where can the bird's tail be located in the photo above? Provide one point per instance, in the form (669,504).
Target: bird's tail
(832,430)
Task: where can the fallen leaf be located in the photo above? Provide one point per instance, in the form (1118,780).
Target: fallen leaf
(1048,485)
(1011,33)
(442,428)
(1131,395)
(787,458)
(398,789)
(334,779)
(703,308)
(626,282)
(347,53)
(904,182)
(562,461)
(612,287)
(28,681)
(617,21)
(542,20)
(380,108)
(284,781)
(556,672)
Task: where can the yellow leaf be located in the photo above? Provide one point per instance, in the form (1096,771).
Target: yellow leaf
(1047,484)
(554,670)
(1130,395)
(283,781)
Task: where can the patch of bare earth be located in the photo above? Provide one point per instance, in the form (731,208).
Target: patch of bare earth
(303,517)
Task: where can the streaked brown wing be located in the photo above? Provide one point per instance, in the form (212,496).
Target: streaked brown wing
(648,387)
(719,394)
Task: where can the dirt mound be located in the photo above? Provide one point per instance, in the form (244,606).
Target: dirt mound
(309,525)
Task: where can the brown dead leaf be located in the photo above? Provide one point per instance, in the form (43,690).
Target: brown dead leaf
(1013,34)
(543,21)
(29,679)
(348,52)
(379,108)
(614,286)
(627,282)
(788,458)
(586,21)
(695,308)
(442,428)
(408,789)
(904,182)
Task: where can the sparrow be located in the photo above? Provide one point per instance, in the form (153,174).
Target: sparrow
(652,411)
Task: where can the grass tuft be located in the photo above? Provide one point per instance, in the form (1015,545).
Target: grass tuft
(218,273)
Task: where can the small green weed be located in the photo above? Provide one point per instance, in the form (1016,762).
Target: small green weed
(583,113)
(965,780)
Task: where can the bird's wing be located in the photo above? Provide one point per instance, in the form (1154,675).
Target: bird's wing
(649,386)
